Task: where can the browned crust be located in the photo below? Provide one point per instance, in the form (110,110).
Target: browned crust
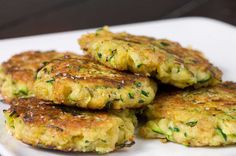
(39,112)
(23,66)
(86,70)
(219,99)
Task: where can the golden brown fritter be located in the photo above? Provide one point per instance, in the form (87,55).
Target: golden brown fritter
(17,75)
(42,124)
(166,60)
(85,83)
(202,117)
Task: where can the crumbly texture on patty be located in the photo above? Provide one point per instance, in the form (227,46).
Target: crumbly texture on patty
(41,124)
(202,117)
(166,60)
(17,74)
(85,83)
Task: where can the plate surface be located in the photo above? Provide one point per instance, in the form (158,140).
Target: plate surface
(217,40)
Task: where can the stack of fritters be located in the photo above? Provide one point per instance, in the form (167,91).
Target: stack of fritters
(191,115)
(95,118)
(87,103)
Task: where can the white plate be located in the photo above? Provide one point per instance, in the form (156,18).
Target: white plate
(216,39)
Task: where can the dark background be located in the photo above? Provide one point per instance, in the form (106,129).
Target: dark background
(30,17)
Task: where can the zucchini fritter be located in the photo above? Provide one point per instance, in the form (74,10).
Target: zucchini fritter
(17,75)
(202,117)
(166,60)
(85,83)
(41,124)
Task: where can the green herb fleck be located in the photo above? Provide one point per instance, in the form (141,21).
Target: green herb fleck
(164,44)
(144,93)
(220,132)
(86,141)
(45,63)
(191,123)
(205,79)
(174,129)
(141,101)
(131,95)
(138,84)
(121,99)
(51,80)
(157,132)
(139,65)
(22,92)
(99,55)
(113,52)
(185,134)
(109,105)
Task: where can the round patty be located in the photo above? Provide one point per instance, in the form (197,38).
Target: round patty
(17,75)
(85,83)
(166,60)
(39,123)
(202,117)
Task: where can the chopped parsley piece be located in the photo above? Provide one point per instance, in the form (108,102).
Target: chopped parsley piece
(131,95)
(121,99)
(99,55)
(174,129)
(164,44)
(139,65)
(51,80)
(205,79)
(45,63)
(144,93)
(22,92)
(109,105)
(157,132)
(220,132)
(141,101)
(185,134)
(138,84)
(191,123)
(113,52)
